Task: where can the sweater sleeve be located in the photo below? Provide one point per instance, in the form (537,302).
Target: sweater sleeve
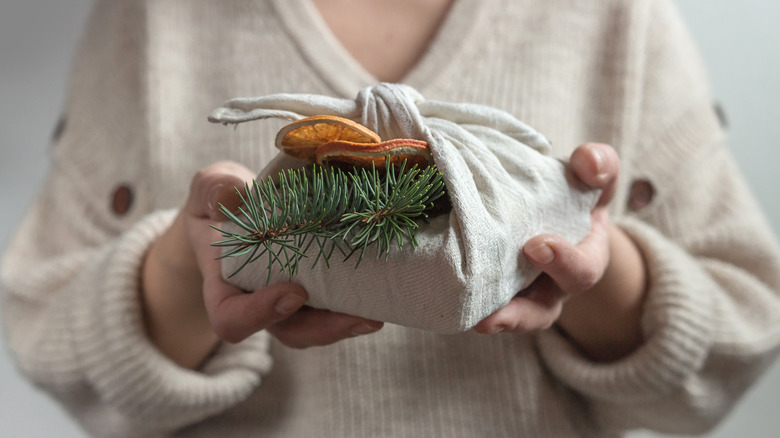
(711,319)
(70,276)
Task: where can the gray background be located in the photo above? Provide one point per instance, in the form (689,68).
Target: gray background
(739,41)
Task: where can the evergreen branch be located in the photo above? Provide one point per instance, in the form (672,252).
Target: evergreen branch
(329,207)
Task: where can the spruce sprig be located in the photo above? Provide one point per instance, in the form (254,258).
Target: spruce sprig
(336,210)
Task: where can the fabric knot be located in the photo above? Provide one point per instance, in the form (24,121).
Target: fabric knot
(391,111)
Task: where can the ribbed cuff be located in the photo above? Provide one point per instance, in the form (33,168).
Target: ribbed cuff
(677,327)
(127,371)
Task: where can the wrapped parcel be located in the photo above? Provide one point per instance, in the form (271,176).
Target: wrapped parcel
(504,188)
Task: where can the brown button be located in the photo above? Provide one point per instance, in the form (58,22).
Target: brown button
(642,193)
(721,113)
(122,200)
(59,129)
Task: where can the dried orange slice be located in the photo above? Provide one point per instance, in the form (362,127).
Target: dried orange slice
(347,154)
(300,139)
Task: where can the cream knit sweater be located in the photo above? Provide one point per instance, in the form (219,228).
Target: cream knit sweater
(622,72)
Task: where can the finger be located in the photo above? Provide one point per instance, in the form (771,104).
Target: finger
(214,185)
(315,327)
(573,268)
(211,186)
(536,308)
(598,166)
(235,315)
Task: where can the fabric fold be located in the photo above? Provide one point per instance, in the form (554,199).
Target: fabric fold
(124,366)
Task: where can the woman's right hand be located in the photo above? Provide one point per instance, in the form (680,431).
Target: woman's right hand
(189,308)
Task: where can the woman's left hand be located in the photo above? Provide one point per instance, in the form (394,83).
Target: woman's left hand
(603,273)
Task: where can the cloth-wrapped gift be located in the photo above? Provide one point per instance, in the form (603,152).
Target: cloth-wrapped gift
(503,186)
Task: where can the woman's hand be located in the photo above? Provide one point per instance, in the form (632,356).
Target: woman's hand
(593,290)
(189,308)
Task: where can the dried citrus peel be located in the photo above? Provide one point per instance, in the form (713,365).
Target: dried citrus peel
(414,152)
(331,140)
(300,139)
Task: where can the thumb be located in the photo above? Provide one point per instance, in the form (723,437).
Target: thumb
(598,166)
(215,185)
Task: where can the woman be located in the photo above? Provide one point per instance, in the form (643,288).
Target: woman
(112,318)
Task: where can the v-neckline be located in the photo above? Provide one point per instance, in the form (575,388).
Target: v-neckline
(344,74)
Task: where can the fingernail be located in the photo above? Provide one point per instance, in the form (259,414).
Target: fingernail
(288,304)
(364,328)
(214,197)
(497,329)
(542,254)
(601,163)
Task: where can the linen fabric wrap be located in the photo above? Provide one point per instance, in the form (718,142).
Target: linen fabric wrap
(504,189)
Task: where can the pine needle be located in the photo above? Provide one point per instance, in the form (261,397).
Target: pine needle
(329,209)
